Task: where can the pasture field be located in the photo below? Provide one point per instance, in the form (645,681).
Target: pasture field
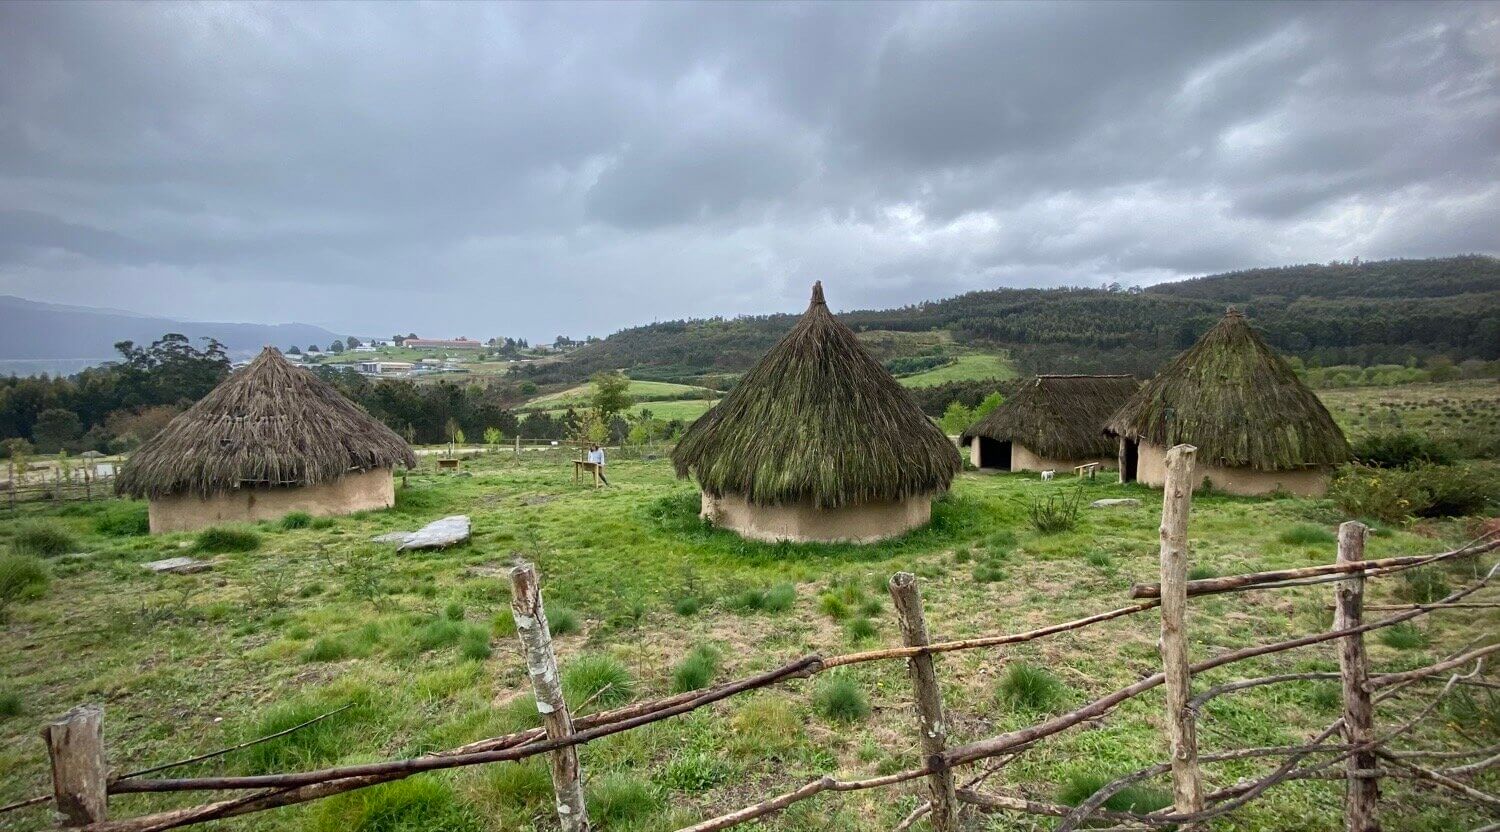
(641,391)
(1449,408)
(966,368)
(316,617)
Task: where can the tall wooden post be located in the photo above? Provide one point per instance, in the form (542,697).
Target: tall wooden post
(1362,793)
(80,773)
(518,446)
(541,664)
(1177,502)
(931,727)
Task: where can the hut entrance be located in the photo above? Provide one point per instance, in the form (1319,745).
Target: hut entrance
(993,453)
(1130,457)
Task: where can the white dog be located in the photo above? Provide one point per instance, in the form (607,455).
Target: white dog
(1048,475)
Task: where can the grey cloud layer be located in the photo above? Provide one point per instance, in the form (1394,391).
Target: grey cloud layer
(536,169)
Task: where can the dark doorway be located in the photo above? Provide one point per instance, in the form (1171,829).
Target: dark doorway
(1130,456)
(993,453)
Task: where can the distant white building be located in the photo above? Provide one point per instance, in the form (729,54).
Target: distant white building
(384,368)
(364,348)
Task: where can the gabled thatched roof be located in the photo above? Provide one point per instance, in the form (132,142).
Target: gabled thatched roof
(267,424)
(1234,398)
(817,419)
(1059,417)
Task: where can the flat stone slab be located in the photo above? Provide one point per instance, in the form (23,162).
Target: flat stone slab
(392,537)
(439,534)
(1116,502)
(179,566)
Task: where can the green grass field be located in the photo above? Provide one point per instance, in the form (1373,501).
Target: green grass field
(640,391)
(966,368)
(317,617)
(1443,408)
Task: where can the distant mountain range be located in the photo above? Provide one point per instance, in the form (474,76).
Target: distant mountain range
(53,338)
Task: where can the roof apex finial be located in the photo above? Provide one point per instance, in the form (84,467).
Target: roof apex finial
(1232,311)
(817,294)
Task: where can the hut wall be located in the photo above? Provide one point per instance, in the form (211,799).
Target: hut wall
(863,523)
(1023,458)
(1304,482)
(356,492)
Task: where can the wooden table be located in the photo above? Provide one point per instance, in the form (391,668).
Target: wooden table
(581,465)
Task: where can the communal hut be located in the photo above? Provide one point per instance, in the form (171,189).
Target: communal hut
(1257,427)
(270,440)
(817,442)
(1052,422)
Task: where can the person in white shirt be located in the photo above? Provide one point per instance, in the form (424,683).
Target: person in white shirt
(596,456)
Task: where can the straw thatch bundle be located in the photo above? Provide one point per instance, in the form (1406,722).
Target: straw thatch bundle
(1234,398)
(268,424)
(817,419)
(1058,417)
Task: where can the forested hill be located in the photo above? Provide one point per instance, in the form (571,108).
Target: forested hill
(1358,313)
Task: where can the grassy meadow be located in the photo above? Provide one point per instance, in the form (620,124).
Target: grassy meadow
(964,368)
(299,618)
(639,391)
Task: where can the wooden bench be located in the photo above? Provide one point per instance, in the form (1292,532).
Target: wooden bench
(1087,470)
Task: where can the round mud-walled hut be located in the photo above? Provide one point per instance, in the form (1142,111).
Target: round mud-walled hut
(1051,423)
(817,442)
(1257,427)
(270,440)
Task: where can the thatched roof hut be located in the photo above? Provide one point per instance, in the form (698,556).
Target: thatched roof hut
(269,430)
(1257,427)
(1051,421)
(817,441)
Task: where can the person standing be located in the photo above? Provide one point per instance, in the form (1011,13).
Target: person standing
(596,456)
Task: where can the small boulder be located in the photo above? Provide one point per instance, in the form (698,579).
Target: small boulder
(439,534)
(1116,502)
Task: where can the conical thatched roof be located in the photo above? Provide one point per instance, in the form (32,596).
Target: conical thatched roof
(817,419)
(1234,398)
(1059,417)
(268,424)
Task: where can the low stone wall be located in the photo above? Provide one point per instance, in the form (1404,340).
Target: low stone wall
(356,492)
(802,523)
(1151,469)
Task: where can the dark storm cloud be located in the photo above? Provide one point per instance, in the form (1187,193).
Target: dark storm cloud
(535,169)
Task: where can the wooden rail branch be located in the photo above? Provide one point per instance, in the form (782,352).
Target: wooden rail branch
(1231,583)
(1387,679)
(1490,801)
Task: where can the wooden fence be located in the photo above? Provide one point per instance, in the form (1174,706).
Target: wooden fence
(51,484)
(1351,749)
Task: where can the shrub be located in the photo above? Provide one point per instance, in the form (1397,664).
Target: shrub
(780,598)
(859,629)
(686,605)
(227,540)
(1056,513)
(1396,495)
(1141,799)
(22,578)
(474,644)
(561,621)
(602,679)
(126,519)
(296,520)
(838,698)
(1401,449)
(1403,636)
(42,540)
(1307,535)
(833,606)
(10,704)
(619,798)
(1026,687)
(696,670)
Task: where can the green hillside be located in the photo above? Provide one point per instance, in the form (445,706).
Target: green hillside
(964,368)
(640,391)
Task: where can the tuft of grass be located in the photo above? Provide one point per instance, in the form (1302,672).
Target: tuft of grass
(598,677)
(1202,572)
(986,573)
(296,520)
(526,785)
(454,611)
(749,600)
(503,625)
(42,540)
(686,605)
(766,726)
(561,621)
(22,578)
(1307,535)
(474,643)
(1026,687)
(226,540)
(696,670)
(413,805)
(618,798)
(831,605)
(1080,786)
(780,598)
(859,629)
(10,704)
(872,607)
(1100,560)
(1326,697)
(123,519)
(697,772)
(840,699)
(315,746)
(327,650)
(1056,513)
(1403,636)
(1422,586)
(322,523)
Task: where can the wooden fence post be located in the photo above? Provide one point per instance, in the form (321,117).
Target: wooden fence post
(931,727)
(80,774)
(541,664)
(1361,793)
(518,446)
(1177,501)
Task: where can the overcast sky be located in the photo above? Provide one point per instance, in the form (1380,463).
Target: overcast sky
(544,169)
